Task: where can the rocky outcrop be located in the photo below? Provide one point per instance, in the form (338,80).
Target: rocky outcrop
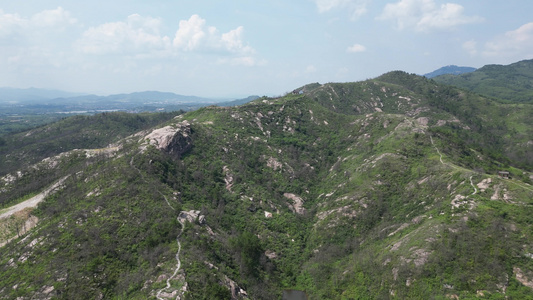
(522,277)
(297,205)
(174,139)
(228,178)
(191,216)
(236,291)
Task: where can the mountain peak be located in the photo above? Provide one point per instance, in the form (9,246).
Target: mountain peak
(450,69)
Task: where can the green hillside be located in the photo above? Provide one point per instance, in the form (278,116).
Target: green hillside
(22,150)
(381,189)
(511,83)
(71,133)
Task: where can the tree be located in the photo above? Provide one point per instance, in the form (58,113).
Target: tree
(248,247)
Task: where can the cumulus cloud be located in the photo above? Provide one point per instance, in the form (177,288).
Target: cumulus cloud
(233,41)
(426,15)
(39,40)
(53,17)
(13,24)
(9,23)
(517,43)
(191,33)
(356,8)
(137,35)
(356,48)
(195,35)
(141,36)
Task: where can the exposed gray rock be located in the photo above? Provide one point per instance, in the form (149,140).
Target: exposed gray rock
(298,203)
(201,220)
(174,139)
(522,277)
(190,216)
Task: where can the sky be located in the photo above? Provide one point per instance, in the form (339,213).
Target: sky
(231,49)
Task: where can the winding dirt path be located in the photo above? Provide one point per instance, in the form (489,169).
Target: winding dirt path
(450,165)
(33,201)
(178,265)
(472,184)
(432,143)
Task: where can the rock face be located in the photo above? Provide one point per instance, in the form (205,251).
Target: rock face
(174,139)
(192,216)
(521,276)
(298,203)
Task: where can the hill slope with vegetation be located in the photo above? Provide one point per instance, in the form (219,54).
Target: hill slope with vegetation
(396,187)
(452,70)
(510,84)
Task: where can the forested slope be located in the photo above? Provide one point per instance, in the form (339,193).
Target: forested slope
(509,84)
(386,188)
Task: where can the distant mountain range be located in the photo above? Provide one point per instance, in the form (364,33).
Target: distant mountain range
(33,95)
(41,100)
(239,101)
(452,69)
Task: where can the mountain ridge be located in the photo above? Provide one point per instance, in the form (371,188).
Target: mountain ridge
(450,69)
(509,83)
(13,95)
(386,188)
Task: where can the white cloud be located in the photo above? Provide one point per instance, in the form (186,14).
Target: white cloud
(13,25)
(138,35)
(232,41)
(516,43)
(53,17)
(38,41)
(194,35)
(426,15)
(59,18)
(356,8)
(10,23)
(356,48)
(191,33)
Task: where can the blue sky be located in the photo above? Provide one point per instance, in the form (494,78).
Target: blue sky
(237,48)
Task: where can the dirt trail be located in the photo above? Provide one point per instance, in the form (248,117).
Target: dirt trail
(432,143)
(33,201)
(472,184)
(450,165)
(178,265)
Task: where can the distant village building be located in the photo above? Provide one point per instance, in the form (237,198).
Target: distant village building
(504,174)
